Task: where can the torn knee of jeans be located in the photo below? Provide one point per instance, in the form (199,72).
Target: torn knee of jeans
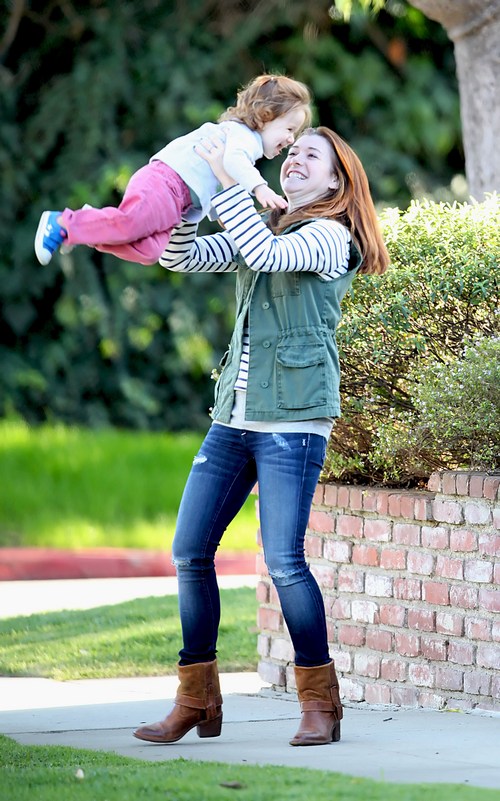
(285,577)
(181,562)
(281,442)
(199,459)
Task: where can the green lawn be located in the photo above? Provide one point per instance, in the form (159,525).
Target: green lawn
(42,773)
(67,487)
(136,638)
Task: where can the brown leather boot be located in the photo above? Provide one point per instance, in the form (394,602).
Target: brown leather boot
(198,703)
(318,690)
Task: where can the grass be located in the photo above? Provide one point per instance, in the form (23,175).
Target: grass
(68,487)
(136,638)
(46,773)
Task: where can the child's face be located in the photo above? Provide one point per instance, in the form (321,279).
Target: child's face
(281,132)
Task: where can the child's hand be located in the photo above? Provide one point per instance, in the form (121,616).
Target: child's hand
(269,199)
(212,151)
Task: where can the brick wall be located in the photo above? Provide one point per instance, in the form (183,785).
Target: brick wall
(411,582)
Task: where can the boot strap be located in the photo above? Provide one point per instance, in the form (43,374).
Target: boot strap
(209,705)
(317,706)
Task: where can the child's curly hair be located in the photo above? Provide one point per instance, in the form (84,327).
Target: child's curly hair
(268,97)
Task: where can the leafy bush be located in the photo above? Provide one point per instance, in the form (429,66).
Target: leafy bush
(455,421)
(441,290)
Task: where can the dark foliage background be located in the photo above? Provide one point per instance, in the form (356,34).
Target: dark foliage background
(89,90)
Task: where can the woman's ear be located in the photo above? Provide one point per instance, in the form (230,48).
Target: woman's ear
(334,183)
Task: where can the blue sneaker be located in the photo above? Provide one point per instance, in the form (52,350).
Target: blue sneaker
(49,236)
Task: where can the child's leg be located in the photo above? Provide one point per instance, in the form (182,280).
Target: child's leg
(152,205)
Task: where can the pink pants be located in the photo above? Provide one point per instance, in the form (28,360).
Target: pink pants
(139,229)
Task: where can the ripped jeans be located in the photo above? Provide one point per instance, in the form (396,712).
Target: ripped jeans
(230,461)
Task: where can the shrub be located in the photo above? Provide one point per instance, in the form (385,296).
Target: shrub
(455,421)
(441,290)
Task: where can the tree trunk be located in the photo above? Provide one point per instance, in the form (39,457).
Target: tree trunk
(474,28)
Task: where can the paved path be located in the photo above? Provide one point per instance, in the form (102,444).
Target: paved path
(397,745)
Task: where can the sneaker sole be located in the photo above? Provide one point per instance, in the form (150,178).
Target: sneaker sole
(40,252)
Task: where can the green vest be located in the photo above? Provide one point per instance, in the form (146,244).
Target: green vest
(294,365)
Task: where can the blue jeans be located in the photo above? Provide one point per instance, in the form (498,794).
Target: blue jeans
(230,461)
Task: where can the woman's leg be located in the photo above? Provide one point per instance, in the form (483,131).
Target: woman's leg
(288,468)
(221,478)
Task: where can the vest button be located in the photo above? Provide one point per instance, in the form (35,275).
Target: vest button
(266,344)
(265,305)
(264,384)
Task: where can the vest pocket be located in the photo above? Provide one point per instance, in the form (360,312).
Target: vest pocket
(301,376)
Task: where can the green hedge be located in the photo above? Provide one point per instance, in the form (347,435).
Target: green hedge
(441,291)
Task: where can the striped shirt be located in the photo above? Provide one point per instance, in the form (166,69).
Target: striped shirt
(319,246)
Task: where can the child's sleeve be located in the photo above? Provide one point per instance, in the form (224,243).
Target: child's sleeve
(242,149)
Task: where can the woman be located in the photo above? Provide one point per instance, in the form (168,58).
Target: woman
(275,403)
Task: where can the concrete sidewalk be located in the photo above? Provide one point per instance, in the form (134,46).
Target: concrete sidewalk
(391,744)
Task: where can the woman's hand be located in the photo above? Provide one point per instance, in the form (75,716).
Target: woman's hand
(212,151)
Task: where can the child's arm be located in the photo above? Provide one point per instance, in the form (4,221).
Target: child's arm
(268,198)
(241,149)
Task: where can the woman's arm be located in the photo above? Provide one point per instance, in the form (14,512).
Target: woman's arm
(186,252)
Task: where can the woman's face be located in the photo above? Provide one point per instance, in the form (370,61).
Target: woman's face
(308,172)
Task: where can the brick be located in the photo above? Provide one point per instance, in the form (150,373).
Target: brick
(404,696)
(464,596)
(449,623)
(356,499)
(377,585)
(393,559)
(343,497)
(448,567)
(377,530)
(449,678)
(352,690)
(383,502)
(351,635)
(479,571)
(447,511)
(394,504)
(423,508)
(367,665)
(269,619)
(407,644)
(406,534)
(428,700)
(351,580)
(462,482)
(422,619)
(263,643)
(365,611)
(477,682)
(434,482)
(260,565)
(338,608)
(377,694)
(478,628)
(365,555)
(489,544)
(349,526)
(319,494)
(491,488)
(370,500)
(281,649)
(434,649)
(461,652)
(337,551)
(488,656)
(449,483)
(322,522)
(476,485)
(343,660)
(421,675)
(408,506)
(477,514)
(495,686)
(262,592)
(324,575)
(392,615)
(393,670)
(313,546)
(272,673)
(435,592)
(462,539)
(330,495)
(435,537)
(408,589)
(420,562)
(379,640)
(495,630)
(331,628)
